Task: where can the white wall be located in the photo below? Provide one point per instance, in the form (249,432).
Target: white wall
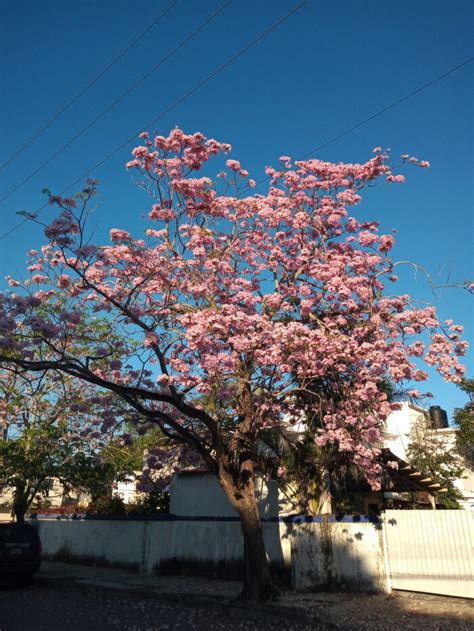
(296,549)
(337,554)
(429,551)
(127,491)
(398,434)
(399,426)
(200,495)
(104,542)
(211,543)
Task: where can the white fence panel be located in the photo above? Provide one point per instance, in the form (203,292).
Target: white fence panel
(332,555)
(431,551)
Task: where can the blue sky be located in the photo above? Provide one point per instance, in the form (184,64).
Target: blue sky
(327,67)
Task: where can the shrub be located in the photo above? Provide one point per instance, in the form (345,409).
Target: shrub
(113,506)
(154,503)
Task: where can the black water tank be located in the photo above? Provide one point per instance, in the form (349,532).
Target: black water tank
(438,416)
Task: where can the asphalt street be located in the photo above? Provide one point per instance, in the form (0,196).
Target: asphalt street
(46,606)
(67,597)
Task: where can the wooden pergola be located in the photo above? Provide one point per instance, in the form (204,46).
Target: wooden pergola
(407,478)
(404,478)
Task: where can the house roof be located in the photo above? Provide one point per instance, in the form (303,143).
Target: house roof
(403,479)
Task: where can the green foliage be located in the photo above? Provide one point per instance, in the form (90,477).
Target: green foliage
(464,418)
(91,475)
(432,453)
(126,459)
(154,503)
(36,445)
(31,460)
(113,506)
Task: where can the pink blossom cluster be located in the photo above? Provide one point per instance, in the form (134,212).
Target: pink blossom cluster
(243,300)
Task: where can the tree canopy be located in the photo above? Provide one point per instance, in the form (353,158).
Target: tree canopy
(49,433)
(246,299)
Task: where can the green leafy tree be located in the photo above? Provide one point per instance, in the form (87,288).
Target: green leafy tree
(433,453)
(464,418)
(47,433)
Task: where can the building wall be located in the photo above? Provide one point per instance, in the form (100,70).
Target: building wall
(199,494)
(54,497)
(399,426)
(127,491)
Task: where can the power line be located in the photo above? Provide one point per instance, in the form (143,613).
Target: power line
(89,85)
(190,92)
(389,107)
(120,98)
(380,112)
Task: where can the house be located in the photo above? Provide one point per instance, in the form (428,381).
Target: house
(127,489)
(57,496)
(197,492)
(53,497)
(401,427)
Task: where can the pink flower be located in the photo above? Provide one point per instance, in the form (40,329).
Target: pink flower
(234,165)
(119,235)
(64,281)
(386,243)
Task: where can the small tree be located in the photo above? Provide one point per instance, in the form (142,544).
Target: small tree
(245,299)
(464,419)
(434,453)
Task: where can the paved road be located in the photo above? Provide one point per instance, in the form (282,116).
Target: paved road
(78,598)
(47,606)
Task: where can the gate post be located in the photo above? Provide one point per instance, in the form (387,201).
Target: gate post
(386,555)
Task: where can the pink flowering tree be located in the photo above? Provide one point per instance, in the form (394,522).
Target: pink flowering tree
(233,305)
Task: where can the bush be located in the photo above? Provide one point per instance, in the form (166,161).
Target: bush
(154,503)
(113,506)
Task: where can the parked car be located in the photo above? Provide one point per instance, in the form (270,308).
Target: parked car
(20,552)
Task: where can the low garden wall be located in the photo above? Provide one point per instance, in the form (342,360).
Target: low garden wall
(311,553)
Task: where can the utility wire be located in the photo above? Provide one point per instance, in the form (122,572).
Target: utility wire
(380,112)
(114,103)
(183,98)
(89,85)
(390,107)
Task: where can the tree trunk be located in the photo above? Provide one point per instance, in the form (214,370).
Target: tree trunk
(240,490)
(20,505)
(324,494)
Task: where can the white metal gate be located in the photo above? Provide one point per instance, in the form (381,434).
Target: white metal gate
(431,550)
